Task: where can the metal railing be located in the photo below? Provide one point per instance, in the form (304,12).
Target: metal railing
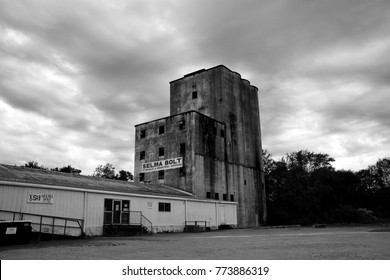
(49,224)
(129,218)
(137,218)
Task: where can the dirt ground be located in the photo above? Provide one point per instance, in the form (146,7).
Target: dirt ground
(367,242)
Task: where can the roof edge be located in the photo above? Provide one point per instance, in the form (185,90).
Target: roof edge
(171,116)
(212,68)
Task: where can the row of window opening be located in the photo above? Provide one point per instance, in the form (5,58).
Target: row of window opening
(215,195)
(161,129)
(161,151)
(161,174)
(182,126)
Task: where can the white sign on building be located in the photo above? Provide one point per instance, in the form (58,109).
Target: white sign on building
(40,198)
(162,164)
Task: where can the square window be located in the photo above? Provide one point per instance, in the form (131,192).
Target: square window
(194,94)
(161,175)
(164,207)
(232,197)
(161,207)
(161,129)
(143,133)
(182,171)
(142,177)
(182,125)
(224,196)
(142,155)
(161,152)
(216,196)
(182,148)
(208,194)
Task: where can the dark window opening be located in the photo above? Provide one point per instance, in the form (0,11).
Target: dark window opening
(141,177)
(143,133)
(208,195)
(164,207)
(182,148)
(116,211)
(194,94)
(108,211)
(224,196)
(161,152)
(216,196)
(161,129)
(161,175)
(182,171)
(244,182)
(142,155)
(232,197)
(182,125)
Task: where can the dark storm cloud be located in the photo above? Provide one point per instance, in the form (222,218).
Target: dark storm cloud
(85,72)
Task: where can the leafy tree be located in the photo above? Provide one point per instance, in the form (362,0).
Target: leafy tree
(308,161)
(375,183)
(124,176)
(108,171)
(65,169)
(34,164)
(105,171)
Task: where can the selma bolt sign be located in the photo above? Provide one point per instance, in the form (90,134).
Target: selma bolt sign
(162,164)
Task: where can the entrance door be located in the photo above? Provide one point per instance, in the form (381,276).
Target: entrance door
(117,212)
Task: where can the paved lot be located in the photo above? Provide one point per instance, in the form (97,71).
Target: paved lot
(331,243)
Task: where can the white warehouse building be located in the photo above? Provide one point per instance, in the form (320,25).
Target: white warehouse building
(68,204)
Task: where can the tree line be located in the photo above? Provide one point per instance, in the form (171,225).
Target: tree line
(304,188)
(106,171)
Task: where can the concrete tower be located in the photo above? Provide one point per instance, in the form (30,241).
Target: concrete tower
(213,133)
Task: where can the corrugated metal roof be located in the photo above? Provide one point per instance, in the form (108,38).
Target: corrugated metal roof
(54,178)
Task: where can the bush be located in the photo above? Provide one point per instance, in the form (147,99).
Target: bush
(348,214)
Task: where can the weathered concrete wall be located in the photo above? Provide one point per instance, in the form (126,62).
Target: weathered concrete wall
(224,96)
(170,140)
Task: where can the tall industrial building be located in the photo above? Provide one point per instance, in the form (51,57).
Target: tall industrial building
(210,145)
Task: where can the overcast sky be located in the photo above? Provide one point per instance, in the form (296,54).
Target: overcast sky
(76,76)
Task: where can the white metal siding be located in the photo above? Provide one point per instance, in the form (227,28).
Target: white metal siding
(90,207)
(65,203)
